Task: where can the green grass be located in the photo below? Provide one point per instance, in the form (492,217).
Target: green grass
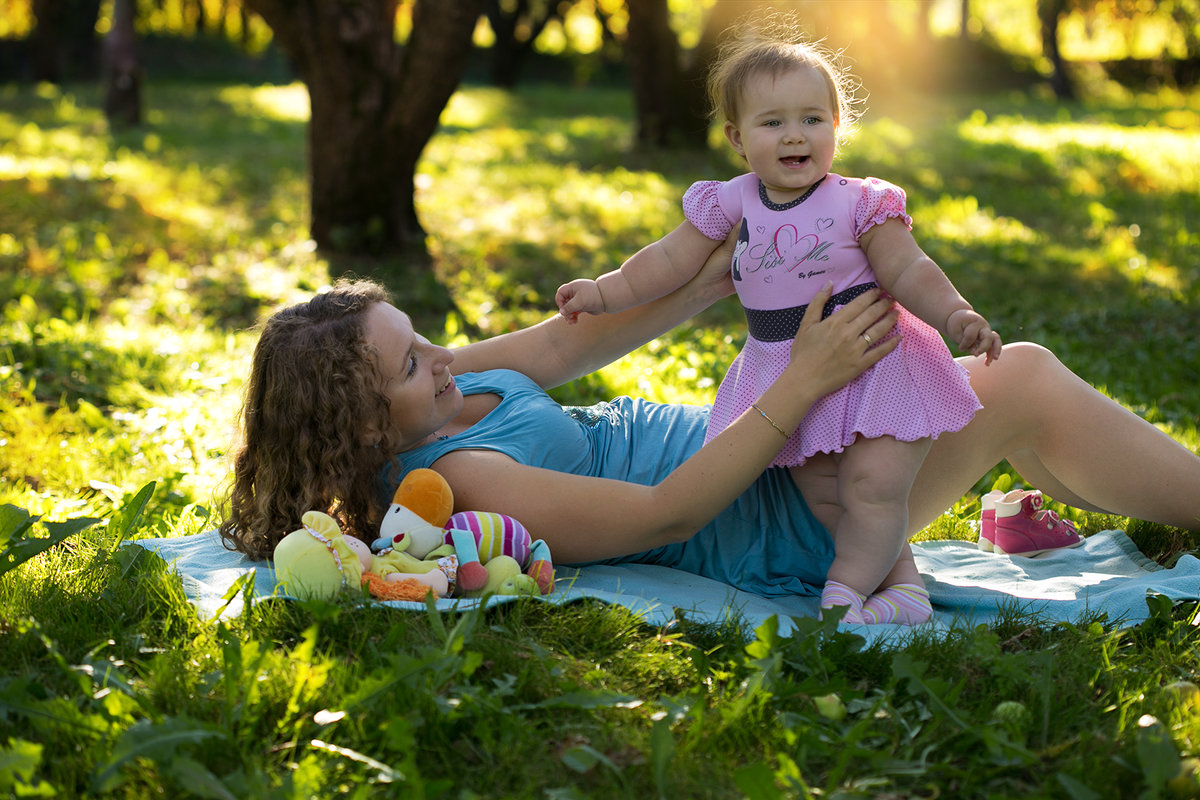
(133,266)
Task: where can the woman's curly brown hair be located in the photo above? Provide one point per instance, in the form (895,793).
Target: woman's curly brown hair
(312,397)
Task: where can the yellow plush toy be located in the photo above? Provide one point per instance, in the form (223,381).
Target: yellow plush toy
(317,560)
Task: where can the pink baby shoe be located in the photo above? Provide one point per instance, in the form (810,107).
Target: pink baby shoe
(987,518)
(1021,527)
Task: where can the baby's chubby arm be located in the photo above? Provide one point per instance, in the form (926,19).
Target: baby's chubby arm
(918,283)
(554,351)
(656,270)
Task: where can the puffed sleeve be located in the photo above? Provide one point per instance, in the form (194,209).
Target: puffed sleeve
(702,208)
(879,201)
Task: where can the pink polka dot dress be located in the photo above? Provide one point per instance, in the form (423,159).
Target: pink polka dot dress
(784,255)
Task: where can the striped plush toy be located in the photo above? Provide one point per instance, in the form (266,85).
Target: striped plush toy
(420,523)
(494,535)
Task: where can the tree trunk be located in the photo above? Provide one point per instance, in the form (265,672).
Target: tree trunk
(721,17)
(374,106)
(122,70)
(1049,13)
(670,108)
(63,42)
(923,36)
(516,29)
(506,52)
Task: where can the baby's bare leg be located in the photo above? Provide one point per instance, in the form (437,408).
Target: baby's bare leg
(874,480)
(901,595)
(817,480)
(904,570)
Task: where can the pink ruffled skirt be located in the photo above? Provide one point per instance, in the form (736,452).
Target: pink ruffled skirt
(918,391)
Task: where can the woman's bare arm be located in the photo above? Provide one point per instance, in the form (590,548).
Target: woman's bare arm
(584,518)
(554,351)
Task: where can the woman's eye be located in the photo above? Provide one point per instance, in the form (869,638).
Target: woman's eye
(412,365)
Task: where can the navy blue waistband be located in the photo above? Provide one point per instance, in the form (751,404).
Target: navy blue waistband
(782,323)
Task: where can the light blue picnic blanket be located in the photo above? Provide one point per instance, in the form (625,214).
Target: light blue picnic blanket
(1106,575)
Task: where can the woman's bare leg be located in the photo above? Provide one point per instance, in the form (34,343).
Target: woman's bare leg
(1064,438)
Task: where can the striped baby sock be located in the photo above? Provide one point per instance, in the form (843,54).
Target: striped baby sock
(839,594)
(902,603)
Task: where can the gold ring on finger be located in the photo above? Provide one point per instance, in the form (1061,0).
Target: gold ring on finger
(868,338)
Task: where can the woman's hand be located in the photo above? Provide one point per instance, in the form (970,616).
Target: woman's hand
(832,352)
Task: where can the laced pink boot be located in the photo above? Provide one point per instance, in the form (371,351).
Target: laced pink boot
(987,520)
(1024,528)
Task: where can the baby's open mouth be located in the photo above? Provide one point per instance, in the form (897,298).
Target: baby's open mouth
(794,161)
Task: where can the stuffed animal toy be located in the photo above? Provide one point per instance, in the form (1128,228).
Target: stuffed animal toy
(420,553)
(317,560)
(420,523)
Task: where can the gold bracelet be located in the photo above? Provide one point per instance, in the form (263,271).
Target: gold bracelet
(768,419)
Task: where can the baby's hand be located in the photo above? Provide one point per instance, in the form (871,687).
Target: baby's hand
(580,296)
(973,334)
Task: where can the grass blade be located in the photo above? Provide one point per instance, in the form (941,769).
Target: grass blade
(15,523)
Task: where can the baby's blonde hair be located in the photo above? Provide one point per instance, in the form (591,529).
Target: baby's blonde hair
(773,44)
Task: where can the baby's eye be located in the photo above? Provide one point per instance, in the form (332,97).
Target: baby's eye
(772,123)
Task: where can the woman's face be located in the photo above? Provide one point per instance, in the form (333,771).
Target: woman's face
(416,377)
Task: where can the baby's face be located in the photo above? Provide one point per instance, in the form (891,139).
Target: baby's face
(786,130)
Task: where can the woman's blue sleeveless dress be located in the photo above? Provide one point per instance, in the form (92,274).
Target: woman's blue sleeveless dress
(767,541)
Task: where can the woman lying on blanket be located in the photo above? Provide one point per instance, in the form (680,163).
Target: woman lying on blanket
(345,397)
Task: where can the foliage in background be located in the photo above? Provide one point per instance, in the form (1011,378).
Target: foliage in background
(133,267)
(586,34)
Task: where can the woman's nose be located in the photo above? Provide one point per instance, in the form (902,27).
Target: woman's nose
(441,356)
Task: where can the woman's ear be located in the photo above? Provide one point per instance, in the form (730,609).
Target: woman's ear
(370,437)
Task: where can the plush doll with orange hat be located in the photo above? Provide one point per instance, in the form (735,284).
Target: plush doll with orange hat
(420,522)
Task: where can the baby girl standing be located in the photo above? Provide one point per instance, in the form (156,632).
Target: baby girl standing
(801,227)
